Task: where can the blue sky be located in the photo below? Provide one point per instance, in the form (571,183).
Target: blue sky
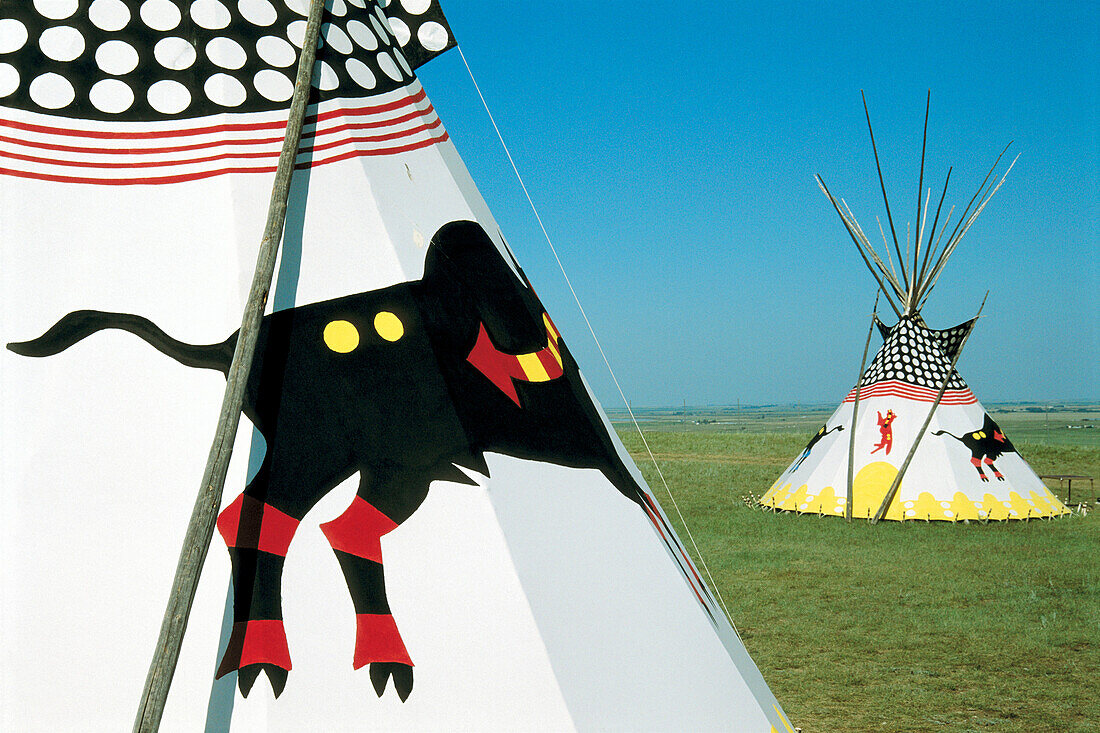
(671,148)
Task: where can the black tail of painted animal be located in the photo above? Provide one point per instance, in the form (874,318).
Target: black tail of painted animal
(944,432)
(79,325)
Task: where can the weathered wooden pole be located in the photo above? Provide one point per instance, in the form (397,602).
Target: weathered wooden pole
(855,411)
(196,541)
(889,498)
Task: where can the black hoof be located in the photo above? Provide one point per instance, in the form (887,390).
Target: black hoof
(380,673)
(246,678)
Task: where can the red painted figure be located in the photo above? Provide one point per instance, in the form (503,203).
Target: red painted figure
(886,430)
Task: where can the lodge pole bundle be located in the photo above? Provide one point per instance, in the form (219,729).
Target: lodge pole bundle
(909,288)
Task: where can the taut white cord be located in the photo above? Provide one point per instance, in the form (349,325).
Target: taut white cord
(596,339)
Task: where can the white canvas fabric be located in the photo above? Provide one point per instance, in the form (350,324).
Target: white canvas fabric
(964,468)
(536,586)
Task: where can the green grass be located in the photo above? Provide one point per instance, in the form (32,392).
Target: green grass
(895,627)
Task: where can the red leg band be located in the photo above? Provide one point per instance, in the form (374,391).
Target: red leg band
(358,531)
(260,641)
(252,524)
(377,640)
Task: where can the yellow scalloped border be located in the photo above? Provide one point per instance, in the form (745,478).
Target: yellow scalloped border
(928,506)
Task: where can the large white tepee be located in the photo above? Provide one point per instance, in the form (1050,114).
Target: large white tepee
(964,466)
(413,403)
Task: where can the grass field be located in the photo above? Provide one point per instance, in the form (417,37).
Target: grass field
(894,627)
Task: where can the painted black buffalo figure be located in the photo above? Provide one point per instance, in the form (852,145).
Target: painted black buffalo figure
(821,433)
(987,443)
(401,385)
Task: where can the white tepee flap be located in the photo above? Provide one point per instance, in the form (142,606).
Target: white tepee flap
(432,526)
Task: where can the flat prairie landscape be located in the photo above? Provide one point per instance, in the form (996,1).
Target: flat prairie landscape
(909,626)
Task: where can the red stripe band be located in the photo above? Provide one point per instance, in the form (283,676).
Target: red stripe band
(895,388)
(274,155)
(213,129)
(656,519)
(427,114)
(198,175)
(119,154)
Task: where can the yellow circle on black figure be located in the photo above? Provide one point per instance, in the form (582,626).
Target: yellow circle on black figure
(341,336)
(388,326)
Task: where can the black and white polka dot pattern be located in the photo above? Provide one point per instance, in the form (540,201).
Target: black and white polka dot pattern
(419,27)
(914,354)
(164,59)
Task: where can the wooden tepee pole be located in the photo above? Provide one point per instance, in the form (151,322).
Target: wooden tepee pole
(885,199)
(964,223)
(889,498)
(913,282)
(855,411)
(852,232)
(928,250)
(196,541)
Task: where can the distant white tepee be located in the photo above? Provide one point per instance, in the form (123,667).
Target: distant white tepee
(964,466)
